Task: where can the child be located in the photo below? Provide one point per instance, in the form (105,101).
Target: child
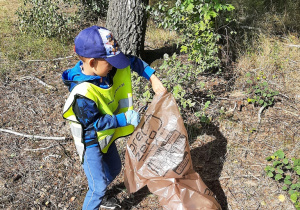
(100,107)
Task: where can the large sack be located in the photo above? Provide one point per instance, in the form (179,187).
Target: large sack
(158,155)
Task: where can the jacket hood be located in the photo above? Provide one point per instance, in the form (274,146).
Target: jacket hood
(74,76)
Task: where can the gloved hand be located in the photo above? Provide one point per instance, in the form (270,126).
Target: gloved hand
(132,118)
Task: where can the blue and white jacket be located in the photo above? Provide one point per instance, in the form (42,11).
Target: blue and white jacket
(90,117)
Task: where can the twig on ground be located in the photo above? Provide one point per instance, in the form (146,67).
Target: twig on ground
(259,113)
(38,149)
(294,61)
(33,136)
(235,105)
(235,197)
(66,153)
(235,177)
(293,45)
(56,156)
(55,59)
(287,111)
(254,176)
(284,95)
(250,28)
(39,81)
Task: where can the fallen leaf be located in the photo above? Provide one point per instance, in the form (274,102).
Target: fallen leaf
(263,203)
(72,199)
(281,198)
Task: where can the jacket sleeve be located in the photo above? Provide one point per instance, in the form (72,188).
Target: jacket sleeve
(89,116)
(140,67)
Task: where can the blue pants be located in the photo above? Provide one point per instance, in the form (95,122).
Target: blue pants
(100,169)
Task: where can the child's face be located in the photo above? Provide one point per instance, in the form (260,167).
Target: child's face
(101,67)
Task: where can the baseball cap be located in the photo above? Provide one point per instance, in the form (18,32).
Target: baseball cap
(98,42)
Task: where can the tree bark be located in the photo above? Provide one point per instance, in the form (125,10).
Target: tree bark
(127,20)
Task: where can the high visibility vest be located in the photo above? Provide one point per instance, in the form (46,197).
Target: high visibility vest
(114,100)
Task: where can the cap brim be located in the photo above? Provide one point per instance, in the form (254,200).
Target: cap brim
(119,61)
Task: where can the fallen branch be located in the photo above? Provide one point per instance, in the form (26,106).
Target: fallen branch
(55,59)
(39,81)
(259,113)
(32,136)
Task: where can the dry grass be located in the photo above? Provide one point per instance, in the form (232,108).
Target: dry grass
(278,60)
(8,9)
(157,38)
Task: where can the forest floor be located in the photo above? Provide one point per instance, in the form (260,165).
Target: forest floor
(229,153)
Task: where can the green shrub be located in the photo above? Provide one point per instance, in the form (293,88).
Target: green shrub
(286,171)
(93,10)
(259,91)
(45,18)
(181,79)
(196,22)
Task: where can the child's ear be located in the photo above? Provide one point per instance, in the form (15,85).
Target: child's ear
(91,62)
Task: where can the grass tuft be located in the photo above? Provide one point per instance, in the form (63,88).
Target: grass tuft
(275,58)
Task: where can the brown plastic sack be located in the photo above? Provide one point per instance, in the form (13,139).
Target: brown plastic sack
(158,155)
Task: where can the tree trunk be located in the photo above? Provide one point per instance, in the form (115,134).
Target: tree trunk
(127,20)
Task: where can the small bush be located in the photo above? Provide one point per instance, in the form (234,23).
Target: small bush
(93,10)
(260,92)
(287,172)
(181,79)
(196,22)
(45,18)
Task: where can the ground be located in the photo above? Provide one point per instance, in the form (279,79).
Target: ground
(229,153)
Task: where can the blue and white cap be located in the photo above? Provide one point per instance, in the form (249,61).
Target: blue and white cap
(98,42)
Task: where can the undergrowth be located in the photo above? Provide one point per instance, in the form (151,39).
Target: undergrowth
(287,172)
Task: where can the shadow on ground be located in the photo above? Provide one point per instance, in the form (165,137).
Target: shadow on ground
(134,199)
(149,56)
(208,159)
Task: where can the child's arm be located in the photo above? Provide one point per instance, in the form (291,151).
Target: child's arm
(157,86)
(92,121)
(88,114)
(140,67)
(143,69)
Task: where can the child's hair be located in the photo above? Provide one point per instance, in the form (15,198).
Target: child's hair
(84,59)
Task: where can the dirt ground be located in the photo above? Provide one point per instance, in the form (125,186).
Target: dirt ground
(229,154)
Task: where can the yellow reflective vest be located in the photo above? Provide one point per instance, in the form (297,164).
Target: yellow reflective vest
(114,100)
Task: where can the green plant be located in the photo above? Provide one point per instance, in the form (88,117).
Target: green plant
(44,18)
(176,77)
(286,171)
(195,20)
(260,92)
(201,114)
(93,9)
(181,79)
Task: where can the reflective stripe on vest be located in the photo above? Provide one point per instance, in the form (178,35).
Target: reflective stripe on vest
(114,100)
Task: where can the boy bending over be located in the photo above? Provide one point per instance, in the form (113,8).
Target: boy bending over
(100,107)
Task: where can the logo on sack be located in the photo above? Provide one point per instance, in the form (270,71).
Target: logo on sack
(167,147)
